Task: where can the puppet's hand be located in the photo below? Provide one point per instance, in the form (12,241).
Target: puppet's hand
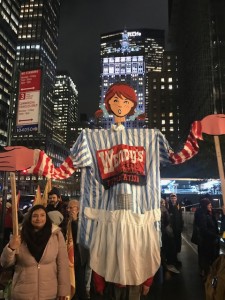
(213,124)
(16,158)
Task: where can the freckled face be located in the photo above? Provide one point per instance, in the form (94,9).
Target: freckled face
(120,106)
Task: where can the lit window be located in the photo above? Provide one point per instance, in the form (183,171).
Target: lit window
(171,129)
(163,122)
(162,87)
(162,80)
(170,79)
(170,87)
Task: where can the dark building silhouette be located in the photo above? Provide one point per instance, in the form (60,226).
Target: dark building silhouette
(196,33)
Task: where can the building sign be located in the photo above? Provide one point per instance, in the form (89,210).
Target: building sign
(134,33)
(28,101)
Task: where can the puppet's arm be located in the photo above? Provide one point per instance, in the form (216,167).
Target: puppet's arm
(45,167)
(191,146)
(17,158)
(211,124)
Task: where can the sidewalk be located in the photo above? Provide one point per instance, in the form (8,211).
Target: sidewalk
(184,286)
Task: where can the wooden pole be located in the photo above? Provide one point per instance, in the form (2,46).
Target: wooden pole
(14,204)
(220,165)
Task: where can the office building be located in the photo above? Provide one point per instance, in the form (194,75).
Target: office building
(36,59)
(65,108)
(163,107)
(196,33)
(9,22)
(128,56)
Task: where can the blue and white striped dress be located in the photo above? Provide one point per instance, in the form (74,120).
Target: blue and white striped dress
(124,243)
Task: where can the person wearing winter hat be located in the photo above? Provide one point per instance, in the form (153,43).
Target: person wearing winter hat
(56,217)
(209,238)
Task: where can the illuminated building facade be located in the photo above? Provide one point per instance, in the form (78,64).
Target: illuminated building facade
(129,56)
(37,49)
(65,108)
(163,107)
(9,22)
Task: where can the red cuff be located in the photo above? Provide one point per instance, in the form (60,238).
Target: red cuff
(148,282)
(99,282)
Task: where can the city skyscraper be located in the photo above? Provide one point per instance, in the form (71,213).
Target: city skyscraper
(37,50)
(128,56)
(196,33)
(163,107)
(65,108)
(36,61)
(9,22)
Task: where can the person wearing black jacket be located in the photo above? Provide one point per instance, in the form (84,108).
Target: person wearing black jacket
(209,237)
(177,223)
(55,203)
(81,255)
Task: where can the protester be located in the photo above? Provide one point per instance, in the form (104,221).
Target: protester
(118,167)
(81,255)
(56,217)
(168,252)
(55,203)
(209,238)
(40,259)
(177,223)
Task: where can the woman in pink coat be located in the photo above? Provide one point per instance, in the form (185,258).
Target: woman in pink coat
(40,259)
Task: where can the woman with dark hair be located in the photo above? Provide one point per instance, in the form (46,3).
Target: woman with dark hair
(40,259)
(209,238)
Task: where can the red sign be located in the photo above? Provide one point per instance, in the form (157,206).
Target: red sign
(122,163)
(29,101)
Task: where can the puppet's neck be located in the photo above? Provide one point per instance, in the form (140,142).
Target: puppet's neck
(119,120)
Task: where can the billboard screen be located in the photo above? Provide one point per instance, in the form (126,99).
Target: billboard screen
(28,101)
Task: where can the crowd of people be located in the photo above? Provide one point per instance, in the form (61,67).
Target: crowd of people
(41,261)
(206,233)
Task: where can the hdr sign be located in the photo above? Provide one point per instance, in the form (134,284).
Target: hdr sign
(28,101)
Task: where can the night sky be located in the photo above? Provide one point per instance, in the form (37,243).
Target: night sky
(81,24)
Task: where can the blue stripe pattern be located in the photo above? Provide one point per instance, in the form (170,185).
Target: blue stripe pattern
(93,194)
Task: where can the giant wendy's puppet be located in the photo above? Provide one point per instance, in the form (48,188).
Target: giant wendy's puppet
(120,186)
